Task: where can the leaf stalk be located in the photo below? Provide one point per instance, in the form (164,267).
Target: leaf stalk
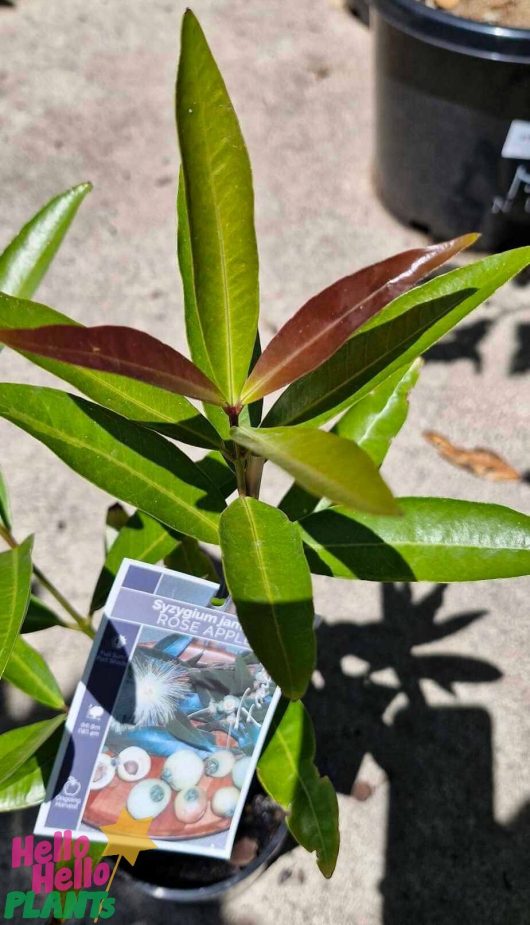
(82,623)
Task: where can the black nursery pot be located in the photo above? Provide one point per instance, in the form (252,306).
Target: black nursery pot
(192,880)
(453,122)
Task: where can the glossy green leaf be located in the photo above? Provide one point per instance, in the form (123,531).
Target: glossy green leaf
(194,332)
(17,745)
(401,332)
(188,557)
(39,616)
(217,469)
(27,670)
(155,408)
(5,507)
(326,322)
(436,539)
(324,464)
(27,786)
(128,461)
(220,209)
(269,581)
(374,421)
(216,415)
(25,261)
(297,502)
(141,538)
(287,771)
(15,587)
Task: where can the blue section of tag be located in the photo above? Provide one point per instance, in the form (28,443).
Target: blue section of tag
(141,579)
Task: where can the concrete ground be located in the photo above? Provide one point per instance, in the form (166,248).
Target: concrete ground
(87,94)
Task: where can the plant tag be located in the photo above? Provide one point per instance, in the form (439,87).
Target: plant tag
(167,724)
(517,142)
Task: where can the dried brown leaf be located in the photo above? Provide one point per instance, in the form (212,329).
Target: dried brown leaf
(480,461)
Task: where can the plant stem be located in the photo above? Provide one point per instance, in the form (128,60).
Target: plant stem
(239,464)
(83,623)
(253,475)
(10,540)
(248,468)
(239,458)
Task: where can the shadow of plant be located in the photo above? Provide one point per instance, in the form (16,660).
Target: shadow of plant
(521,357)
(465,342)
(351,708)
(446,857)
(461,344)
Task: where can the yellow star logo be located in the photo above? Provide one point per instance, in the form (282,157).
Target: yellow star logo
(127,837)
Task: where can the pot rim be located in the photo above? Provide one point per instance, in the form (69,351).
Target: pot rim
(212,892)
(466,36)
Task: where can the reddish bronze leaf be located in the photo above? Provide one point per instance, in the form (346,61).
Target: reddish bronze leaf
(324,323)
(115,349)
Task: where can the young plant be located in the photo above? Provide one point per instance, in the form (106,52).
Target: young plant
(350,355)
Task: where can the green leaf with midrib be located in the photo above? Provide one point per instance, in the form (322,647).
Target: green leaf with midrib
(15,588)
(435,539)
(269,581)
(220,210)
(27,670)
(27,258)
(401,332)
(287,771)
(131,463)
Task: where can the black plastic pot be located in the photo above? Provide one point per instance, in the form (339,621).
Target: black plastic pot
(191,880)
(452,122)
(146,874)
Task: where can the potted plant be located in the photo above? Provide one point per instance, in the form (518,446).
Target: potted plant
(349,356)
(452,147)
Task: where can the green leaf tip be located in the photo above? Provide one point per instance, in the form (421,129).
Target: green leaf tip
(27,258)
(220,240)
(287,771)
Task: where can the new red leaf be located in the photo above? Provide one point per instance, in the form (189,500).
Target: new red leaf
(116,349)
(326,322)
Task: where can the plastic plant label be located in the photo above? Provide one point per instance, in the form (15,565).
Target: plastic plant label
(167,724)
(517,143)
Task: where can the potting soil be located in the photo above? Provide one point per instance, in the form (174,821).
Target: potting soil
(513,13)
